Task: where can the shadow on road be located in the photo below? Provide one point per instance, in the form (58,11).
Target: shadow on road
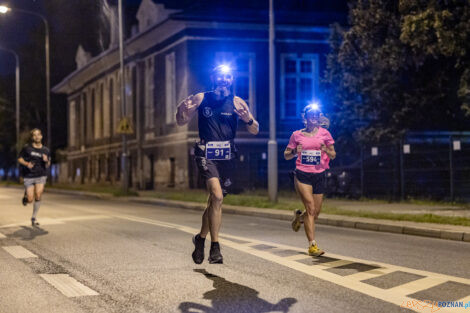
(228,297)
(29,233)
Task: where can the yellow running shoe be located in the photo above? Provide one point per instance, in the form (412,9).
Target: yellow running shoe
(296,220)
(313,250)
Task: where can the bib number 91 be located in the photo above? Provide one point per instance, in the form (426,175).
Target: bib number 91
(218,150)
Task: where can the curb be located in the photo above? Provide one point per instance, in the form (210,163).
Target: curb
(326,219)
(396,227)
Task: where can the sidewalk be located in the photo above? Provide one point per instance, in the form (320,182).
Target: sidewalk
(442,231)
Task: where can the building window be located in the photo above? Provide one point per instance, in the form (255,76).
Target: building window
(299,83)
(103,113)
(149,89)
(112,113)
(96,115)
(133,104)
(84,118)
(245,73)
(170,88)
(72,124)
(117,110)
(91,116)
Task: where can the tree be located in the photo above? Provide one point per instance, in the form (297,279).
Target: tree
(399,66)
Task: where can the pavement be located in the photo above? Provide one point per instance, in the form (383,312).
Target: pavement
(442,231)
(119,256)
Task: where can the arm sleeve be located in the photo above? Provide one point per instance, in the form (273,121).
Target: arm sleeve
(328,139)
(292,143)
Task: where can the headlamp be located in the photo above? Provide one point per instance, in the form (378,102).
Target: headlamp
(313,107)
(222,69)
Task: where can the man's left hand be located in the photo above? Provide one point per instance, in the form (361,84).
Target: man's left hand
(45,158)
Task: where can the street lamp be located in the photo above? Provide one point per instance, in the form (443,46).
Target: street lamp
(4,10)
(124,158)
(17,88)
(272,143)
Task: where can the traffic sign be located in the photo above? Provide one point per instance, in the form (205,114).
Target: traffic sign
(125,126)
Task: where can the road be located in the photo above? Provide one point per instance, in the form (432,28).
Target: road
(93,255)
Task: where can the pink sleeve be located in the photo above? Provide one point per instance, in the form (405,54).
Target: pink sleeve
(328,138)
(292,142)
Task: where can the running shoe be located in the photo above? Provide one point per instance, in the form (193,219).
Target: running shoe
(313,250)
(34,223)
(215,257)
(296,222)
(24,200)
(198,253)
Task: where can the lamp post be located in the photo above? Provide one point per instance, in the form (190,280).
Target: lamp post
(272,143)
(17,99)
(4,10)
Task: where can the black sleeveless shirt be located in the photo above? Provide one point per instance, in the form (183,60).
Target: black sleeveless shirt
(217,121)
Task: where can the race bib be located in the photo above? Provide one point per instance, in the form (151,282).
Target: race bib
(218,150)
(310,157)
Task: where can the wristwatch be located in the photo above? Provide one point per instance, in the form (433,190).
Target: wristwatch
(250,122)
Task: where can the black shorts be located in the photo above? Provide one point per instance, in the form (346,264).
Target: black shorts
(316,180)
(221,169)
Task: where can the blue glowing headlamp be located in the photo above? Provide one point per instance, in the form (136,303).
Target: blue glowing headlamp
(223,69)
(313,107)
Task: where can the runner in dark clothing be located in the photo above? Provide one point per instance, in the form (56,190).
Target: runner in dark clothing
(218,114)
(35,160)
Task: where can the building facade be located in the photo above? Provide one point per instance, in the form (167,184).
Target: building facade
(168,57)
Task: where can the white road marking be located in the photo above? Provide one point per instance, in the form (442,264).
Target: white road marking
(68,286)
(465,300)
(19,252)
(418,285)
(41,221)
(296,257)
(360,276)
(83,218)
(2,236)
(58,221)
(396,295)
(333,264)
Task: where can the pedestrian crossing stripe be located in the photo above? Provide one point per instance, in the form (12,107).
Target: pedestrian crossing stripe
(397,295)
(125,126)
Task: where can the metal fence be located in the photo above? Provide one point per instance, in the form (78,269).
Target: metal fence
(430,165)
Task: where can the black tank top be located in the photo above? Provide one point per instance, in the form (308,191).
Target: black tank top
(217,121)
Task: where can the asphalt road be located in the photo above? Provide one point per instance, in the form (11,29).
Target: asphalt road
(114,256)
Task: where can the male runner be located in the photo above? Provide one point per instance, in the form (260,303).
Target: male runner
(35,160)
(218,113)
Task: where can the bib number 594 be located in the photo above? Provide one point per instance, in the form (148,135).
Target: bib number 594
(310,157)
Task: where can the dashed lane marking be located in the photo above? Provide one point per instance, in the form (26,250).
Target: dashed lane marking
(19,252)
(397,295)
(68,286)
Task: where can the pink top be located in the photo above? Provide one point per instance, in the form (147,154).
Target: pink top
(311,143)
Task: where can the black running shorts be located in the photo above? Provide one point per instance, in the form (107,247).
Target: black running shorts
(316,180)
(221,169)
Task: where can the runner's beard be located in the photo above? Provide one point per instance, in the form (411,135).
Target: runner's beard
(223,88)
